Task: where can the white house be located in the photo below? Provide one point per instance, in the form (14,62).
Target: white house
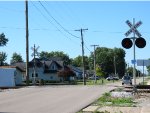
(10,76)
(43,69)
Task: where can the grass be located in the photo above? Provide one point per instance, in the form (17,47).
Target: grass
(92,82)
(107,100)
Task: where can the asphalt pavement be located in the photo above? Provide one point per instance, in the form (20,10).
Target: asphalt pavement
(51,99)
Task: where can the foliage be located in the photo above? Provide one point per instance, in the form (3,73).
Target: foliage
(105,59)
(3,57)
(99,71)
(66,73)
(56,54)
(101,111)
(78,62)
(16,58)
(130,71)
(148,68)
(114,101)
(3,40)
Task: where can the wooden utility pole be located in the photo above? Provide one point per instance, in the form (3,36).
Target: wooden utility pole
(95,61)
(83,62)
(27,44)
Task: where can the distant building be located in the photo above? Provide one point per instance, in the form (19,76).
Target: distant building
(77,71)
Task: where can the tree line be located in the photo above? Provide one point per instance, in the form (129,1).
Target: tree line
(106,58)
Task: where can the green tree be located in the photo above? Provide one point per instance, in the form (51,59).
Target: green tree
(148,68)
(3,57)
(120,61)
(3,40)
(58,54)
(78,62)
(130,72)
(106,58)
(16,58)
(99,72)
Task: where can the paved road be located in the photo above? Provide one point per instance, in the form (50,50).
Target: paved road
(50,99)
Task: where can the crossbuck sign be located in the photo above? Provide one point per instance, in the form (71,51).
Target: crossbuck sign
(133,28)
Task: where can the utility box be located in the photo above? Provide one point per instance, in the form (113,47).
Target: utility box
(10,77)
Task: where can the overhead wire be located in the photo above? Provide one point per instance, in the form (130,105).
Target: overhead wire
(48,20)
(57,21)
(59,24)
(51,22)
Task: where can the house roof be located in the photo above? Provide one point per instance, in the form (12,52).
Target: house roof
(39,63)
(12,67)
(21,65)
(76,69)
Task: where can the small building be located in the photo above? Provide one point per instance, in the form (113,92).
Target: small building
(77,71)
(10,76)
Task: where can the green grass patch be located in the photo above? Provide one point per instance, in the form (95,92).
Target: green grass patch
(92,82)
(107,100)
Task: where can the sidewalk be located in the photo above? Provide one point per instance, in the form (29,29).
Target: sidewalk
(142,107)
(146,105)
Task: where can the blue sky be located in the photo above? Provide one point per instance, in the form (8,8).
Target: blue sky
(105,22)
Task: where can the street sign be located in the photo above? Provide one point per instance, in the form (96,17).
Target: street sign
(141,62)
(133,61)
(133,28)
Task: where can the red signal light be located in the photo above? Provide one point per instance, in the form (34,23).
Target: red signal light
(140,42)
(127,43)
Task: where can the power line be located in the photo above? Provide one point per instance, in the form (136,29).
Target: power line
(87,48)
(49,20)
(22,28)
(57,21)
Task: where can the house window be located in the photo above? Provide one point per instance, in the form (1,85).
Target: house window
(36,75)
(51,77)
(53,67)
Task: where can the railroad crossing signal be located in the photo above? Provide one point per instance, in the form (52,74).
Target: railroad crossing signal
(133,28)
(35,51)
(139,42)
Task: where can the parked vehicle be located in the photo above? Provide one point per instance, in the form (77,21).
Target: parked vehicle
(109,78)
(112,78)
(93,78)
(126,80)
(116,78)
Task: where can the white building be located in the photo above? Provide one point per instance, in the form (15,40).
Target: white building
(10,76)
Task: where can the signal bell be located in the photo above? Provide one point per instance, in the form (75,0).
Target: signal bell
(140,42)
(127,43)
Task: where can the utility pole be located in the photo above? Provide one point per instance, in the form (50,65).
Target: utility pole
(82,43)
(95,61)
(134,68)
(115,66)
(27,43)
